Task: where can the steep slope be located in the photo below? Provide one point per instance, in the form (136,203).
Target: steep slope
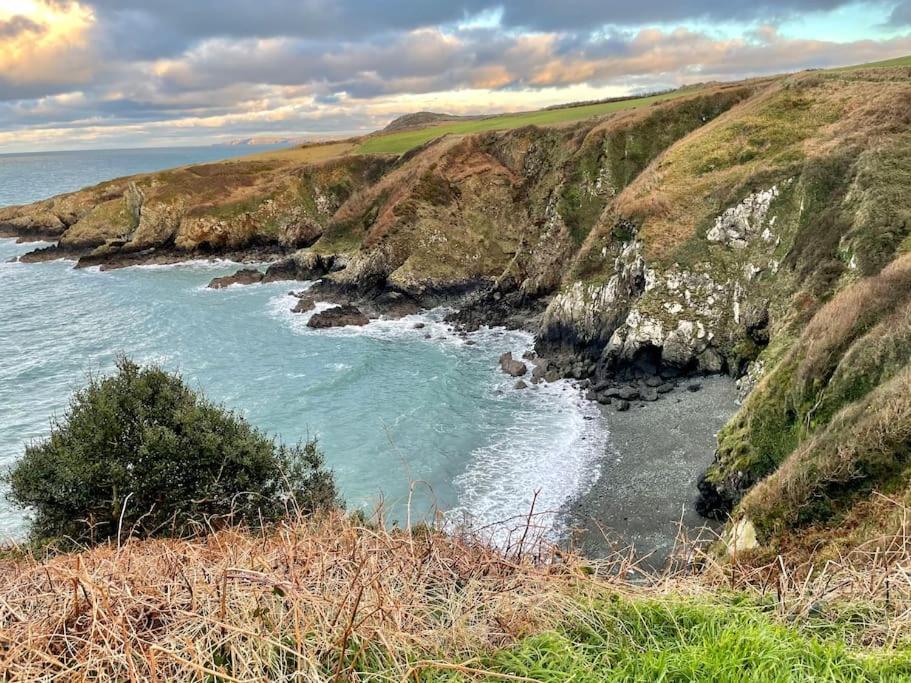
(276,201)
(756,229)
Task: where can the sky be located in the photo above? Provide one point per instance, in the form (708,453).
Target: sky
(134,73)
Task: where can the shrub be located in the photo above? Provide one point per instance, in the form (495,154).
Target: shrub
(140,453)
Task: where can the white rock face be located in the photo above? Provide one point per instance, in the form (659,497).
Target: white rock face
(739,224)
(742,537)
(590,309)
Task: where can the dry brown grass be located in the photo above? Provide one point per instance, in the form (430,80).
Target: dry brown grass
(851,311)
(331,599)
(313,600)
(303,154)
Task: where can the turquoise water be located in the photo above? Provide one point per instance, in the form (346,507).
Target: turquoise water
(395,413)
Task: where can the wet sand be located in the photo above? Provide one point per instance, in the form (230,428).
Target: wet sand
(647,484)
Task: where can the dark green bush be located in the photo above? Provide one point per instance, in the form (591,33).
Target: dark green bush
(140,453)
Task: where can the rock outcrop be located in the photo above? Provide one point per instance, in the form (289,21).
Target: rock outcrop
(700,235)
(245,276)
(338,316)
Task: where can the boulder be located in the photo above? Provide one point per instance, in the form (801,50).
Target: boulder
(394,305)
(340,316)
(512,367)
(305,303)
(244,276)
(628,393)
(622,406)
(665,388)
(520,385)
(649,394)
(605,400)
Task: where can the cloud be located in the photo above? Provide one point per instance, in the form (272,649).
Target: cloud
(45,53)
(901,14)
(107,70)
(17,25)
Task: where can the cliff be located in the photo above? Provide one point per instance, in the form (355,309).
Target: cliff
(756,228)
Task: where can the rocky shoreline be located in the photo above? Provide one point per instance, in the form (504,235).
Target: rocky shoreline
(624,386)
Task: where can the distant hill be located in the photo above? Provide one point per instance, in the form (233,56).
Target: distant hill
(422,119)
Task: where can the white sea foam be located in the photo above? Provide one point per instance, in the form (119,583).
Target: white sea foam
(199,264)
(553,447)
(555,458)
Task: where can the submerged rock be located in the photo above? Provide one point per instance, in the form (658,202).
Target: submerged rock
(340,316)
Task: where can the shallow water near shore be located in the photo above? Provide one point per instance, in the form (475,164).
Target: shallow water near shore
(389,406)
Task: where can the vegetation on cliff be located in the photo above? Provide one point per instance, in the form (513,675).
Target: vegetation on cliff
(333,598)
(757,228)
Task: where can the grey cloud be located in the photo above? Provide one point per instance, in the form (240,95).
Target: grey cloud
(166,27)
(901,14)
(17,25)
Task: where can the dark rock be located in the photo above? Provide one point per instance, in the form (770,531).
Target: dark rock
(665,388)
(470,342)
(340,316)
(605,400)
(694,387)
(305,303)
(520,385)
(649,395)
(713,502)
(512,367)
(622,406)
(303,265)
(244,276)
(394,305)
(418,326)
(591,395)
(628,393)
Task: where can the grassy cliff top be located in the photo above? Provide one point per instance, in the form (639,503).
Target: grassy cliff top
(334,599)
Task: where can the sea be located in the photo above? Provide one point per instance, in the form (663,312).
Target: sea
(415,422)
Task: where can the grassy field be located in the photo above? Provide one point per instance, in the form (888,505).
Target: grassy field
(304,154)
(399,143)
(898,61)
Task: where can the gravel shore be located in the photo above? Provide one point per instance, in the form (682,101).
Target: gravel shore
(647,484)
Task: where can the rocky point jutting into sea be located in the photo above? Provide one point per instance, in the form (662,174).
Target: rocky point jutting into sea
(758,230)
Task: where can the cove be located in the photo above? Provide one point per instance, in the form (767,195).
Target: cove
(398,415)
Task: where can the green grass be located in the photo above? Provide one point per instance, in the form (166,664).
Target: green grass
(730,639)
(399,143)
(898,61)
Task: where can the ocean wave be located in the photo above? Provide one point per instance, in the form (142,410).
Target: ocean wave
(199,264)
(548,456)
